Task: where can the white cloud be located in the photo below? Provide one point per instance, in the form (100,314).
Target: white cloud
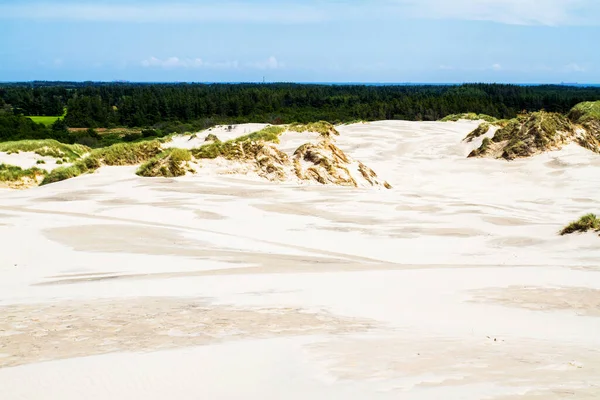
(176,62)
(574,67)
(270,63)
(445,67)
(496,67)
(518,12)
(196,63)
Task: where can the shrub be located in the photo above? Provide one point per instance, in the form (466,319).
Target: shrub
(583,224)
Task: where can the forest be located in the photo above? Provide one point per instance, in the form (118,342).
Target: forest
(161,108)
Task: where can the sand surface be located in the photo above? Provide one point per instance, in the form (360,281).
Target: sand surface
(452,285)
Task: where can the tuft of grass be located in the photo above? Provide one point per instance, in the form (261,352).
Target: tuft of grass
(469,116)
(268,134)
(12,173)
(482,129)
(322,127)
(46,147)
(485,145)
(40,162)
(169,163)
(212,138)
(117,154)
(586,223)
(240,147)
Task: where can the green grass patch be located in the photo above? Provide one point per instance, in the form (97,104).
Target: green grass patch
(482,129)
(169,163)
(238,148)
(46,147)
(470,117)
(586,223)
(117,154)
(12,173)
(322,127)
(585,112)
(44,119)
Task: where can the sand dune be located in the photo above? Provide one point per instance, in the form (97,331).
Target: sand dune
(454,284)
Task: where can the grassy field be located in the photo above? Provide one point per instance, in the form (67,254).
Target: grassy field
(44,119)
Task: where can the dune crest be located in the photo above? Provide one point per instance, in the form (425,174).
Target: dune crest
(538,132)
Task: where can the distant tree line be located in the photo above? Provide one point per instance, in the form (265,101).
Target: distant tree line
(161,106)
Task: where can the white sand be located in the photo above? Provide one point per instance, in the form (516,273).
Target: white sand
(224,133)
(452,285)
(29,159)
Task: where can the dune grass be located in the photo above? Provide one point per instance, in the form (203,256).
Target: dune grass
(469,116)
(233,149)
(12,173)
(322,127)
(585,112)
(46,147)
(169,163)
(586,223)
(482,129)
(117,154)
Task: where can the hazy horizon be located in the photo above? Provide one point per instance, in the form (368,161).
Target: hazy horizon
(382,41)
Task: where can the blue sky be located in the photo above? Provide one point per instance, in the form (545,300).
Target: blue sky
(519,41)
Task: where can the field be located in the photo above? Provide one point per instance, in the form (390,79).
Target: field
(46,120)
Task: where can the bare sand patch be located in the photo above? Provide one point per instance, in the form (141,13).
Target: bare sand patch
(581,300)
(208,215)
(509,365)
(32,333)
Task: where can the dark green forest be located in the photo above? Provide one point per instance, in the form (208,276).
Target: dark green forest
(165,107)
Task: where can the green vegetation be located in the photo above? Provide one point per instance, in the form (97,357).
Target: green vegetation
(188,107)
(530,134)
(169,163)
(469,116)
(11,173)
(586,223)
(118,154)
(322,127)
(48,147)
(482,129)
(45,120)
(240,147)
(588,111)
(483,149)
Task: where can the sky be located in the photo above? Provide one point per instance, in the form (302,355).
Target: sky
(424,41)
